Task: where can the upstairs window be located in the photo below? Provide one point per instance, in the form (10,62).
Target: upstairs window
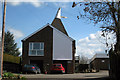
(36,49)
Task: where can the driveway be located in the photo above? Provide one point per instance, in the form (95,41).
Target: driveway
(75,76)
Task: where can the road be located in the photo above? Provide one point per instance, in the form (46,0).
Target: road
(75,76)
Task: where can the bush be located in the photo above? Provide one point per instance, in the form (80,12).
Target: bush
(23,78)
(10,58)
(8,75)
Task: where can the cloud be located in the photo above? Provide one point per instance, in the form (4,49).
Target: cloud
(20,49)
(14,3)
(61,4)
(42,0)
(35,3)
(17,33)
(92,36)
(38,3)
(0,32)
(93,44)
(66,0)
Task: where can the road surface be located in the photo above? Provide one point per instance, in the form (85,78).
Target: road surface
(76,76)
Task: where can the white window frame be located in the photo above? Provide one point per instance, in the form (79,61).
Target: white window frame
(36,49)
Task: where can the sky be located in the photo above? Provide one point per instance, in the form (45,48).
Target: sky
(23,18)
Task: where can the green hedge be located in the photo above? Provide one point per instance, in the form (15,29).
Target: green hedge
(10,58)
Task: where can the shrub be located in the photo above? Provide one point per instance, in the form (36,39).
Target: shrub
(10,58)
(23,78)
(8,75)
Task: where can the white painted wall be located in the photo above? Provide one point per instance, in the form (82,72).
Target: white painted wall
(62,46)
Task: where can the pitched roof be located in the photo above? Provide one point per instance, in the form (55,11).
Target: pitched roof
(57,23)
(43,28)
(99,56)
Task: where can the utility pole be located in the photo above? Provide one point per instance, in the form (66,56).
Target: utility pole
(3,34)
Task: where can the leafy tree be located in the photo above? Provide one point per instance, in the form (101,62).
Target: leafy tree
(10,47)
(107,13)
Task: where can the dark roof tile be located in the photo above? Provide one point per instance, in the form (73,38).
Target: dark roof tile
(57,23)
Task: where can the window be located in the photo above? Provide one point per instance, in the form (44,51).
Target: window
(36,49)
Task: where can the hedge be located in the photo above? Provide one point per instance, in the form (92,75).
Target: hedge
(10,58)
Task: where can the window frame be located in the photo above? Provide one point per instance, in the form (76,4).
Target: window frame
(32,48)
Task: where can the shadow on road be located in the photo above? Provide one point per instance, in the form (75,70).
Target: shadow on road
(103,78)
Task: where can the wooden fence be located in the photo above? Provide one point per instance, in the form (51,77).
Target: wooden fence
(11,63)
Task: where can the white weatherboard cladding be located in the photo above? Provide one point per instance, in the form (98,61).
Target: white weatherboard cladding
(62,46)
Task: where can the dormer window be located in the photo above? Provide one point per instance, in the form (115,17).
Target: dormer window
(36,49)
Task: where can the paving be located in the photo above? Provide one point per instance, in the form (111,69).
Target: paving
(76,76)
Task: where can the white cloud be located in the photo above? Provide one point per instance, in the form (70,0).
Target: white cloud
(14,3)
(35,3)
(42,0)
(60,4)
(66,0)
(93,44)
(92,36)
(20,49)
(17,33)
(84,39)
(0,32)
(38,3)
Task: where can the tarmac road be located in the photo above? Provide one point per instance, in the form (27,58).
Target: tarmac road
(102,75)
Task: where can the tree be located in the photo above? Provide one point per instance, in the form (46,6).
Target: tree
(83,60)
(10,47)
(107,13)
(108,39)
